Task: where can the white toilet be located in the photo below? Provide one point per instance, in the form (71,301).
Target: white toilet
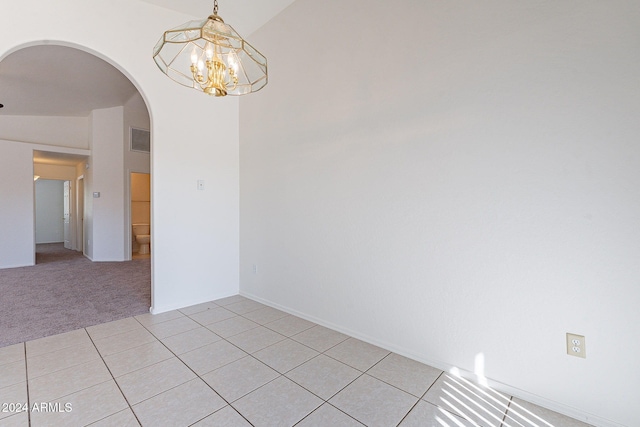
(142,233)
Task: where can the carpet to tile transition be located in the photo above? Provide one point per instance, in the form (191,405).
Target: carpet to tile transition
(65,291)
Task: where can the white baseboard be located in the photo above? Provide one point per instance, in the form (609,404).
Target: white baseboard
(4,267)
(496,385)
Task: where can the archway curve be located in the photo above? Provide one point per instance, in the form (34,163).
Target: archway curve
(125,72)
(89,51)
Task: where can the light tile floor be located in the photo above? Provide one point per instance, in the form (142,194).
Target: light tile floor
(235,362)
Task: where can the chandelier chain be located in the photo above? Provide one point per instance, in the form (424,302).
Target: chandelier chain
(215,7)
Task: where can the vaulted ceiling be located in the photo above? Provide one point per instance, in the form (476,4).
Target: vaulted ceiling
(245,16)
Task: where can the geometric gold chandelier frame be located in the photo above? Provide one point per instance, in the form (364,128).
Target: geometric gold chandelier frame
(210,56)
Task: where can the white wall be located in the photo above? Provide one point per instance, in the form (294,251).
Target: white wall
(59,131)
(17,233)
(194,137)
(106,236)
(137,116)
(196,253)
(448,179)
(49,211)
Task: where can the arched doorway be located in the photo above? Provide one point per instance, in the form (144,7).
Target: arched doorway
(75,111)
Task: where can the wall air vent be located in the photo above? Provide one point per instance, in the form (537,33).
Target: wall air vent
(140,140)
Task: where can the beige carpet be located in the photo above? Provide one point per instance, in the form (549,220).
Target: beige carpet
(65,291)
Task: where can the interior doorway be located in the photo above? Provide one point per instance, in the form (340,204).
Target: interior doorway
(51,211)
(59,212)
(140,218)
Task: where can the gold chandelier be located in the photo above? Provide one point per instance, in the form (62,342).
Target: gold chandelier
(208,55)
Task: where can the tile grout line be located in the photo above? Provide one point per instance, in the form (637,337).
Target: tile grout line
(421,398)
(361,373)
(279,373)
(306,329)
(227,364)
(26,375)
(114,380)
(407,414)
(284,374)
(436,380)
(484,396)
(334,394)
(236,315)
(53,372)
(261,325)
(326,401)
(229,405)
(488,398)
(340,410)
(442,407)
(55,351)
(391,385)
(477,409)
(398,388)
(121,333)
(506,411)
(195,373)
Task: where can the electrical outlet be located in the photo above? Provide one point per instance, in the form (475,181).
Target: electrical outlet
(576,345)
(255,269)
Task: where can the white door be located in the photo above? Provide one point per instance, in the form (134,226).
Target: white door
(67,214)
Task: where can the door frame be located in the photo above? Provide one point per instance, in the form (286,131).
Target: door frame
(79,211)
(68,215)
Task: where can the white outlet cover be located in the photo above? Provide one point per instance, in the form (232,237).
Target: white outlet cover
(576,345)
